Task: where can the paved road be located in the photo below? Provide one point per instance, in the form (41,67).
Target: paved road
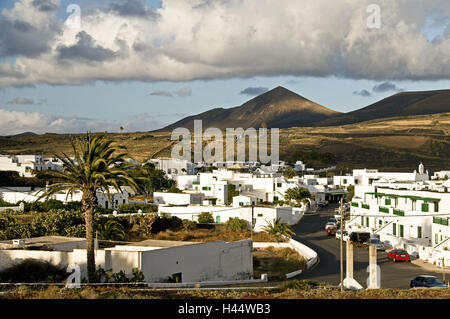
(310,231)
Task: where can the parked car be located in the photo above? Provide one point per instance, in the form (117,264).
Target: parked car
(399,255)
(330,225)
(427,282)
(331,231)
(377,243)
(322,203)
(333,220)
(345,237)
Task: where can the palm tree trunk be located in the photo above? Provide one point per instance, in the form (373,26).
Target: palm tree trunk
(90,247)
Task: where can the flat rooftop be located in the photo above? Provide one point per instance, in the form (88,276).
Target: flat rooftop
(41,241)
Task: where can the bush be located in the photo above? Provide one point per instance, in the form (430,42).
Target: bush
(236,224)
(134,208)
(162,223)
(102,276)
(51,204)
(11,229)
(205,218)
(33,271)
(59,223)
(189,224)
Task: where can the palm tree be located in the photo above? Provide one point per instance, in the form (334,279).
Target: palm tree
(111,230)
(278,229)
(97,166)
(298,194)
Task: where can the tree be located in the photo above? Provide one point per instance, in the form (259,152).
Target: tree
(97,166)
(298,194)
(279,230)
(289,173)
(151,179)
(350,194)
(111,230)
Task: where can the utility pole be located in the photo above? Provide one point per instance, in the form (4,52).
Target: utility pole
(252,224)
(342,243)
(443,269)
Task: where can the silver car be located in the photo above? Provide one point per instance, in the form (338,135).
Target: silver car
(377,243)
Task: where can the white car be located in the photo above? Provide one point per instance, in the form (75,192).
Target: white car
(377,243)
(345,237)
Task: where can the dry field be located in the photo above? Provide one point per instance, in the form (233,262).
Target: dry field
(395,143)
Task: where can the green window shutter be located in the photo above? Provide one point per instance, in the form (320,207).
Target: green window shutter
(387,202)
(425,207)
(401,231)
(436,207)
(367,221)
(355,204)
(362,220)
(394,229)
(419,232)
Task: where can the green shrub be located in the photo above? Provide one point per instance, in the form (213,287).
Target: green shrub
(205,218)
(134,208)
(189,224)
(51,204)
(236,224)
(102,276)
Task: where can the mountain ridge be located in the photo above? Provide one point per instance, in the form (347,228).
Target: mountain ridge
(282,108)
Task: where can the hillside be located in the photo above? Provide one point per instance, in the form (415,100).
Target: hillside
(401,104)
(279,108)
(282,108)
(388,144)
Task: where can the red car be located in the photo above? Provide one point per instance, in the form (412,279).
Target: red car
(399,255)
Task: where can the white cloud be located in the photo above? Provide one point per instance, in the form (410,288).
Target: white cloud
(15,122)
(199,39)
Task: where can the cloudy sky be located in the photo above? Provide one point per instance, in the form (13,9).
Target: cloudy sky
(73,66)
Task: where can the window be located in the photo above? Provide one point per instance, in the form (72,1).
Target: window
(278,184)
(436,207)
(425,207)
(387,202)
(419,232)
(345,181)
(275,198)
(260,215)
(380,223)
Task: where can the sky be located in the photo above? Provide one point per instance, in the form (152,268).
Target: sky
(145,64)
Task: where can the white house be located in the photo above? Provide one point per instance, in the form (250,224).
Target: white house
(174,166)
(412,215)
(161,198)
(159,261)
(116,198)
(26,164)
